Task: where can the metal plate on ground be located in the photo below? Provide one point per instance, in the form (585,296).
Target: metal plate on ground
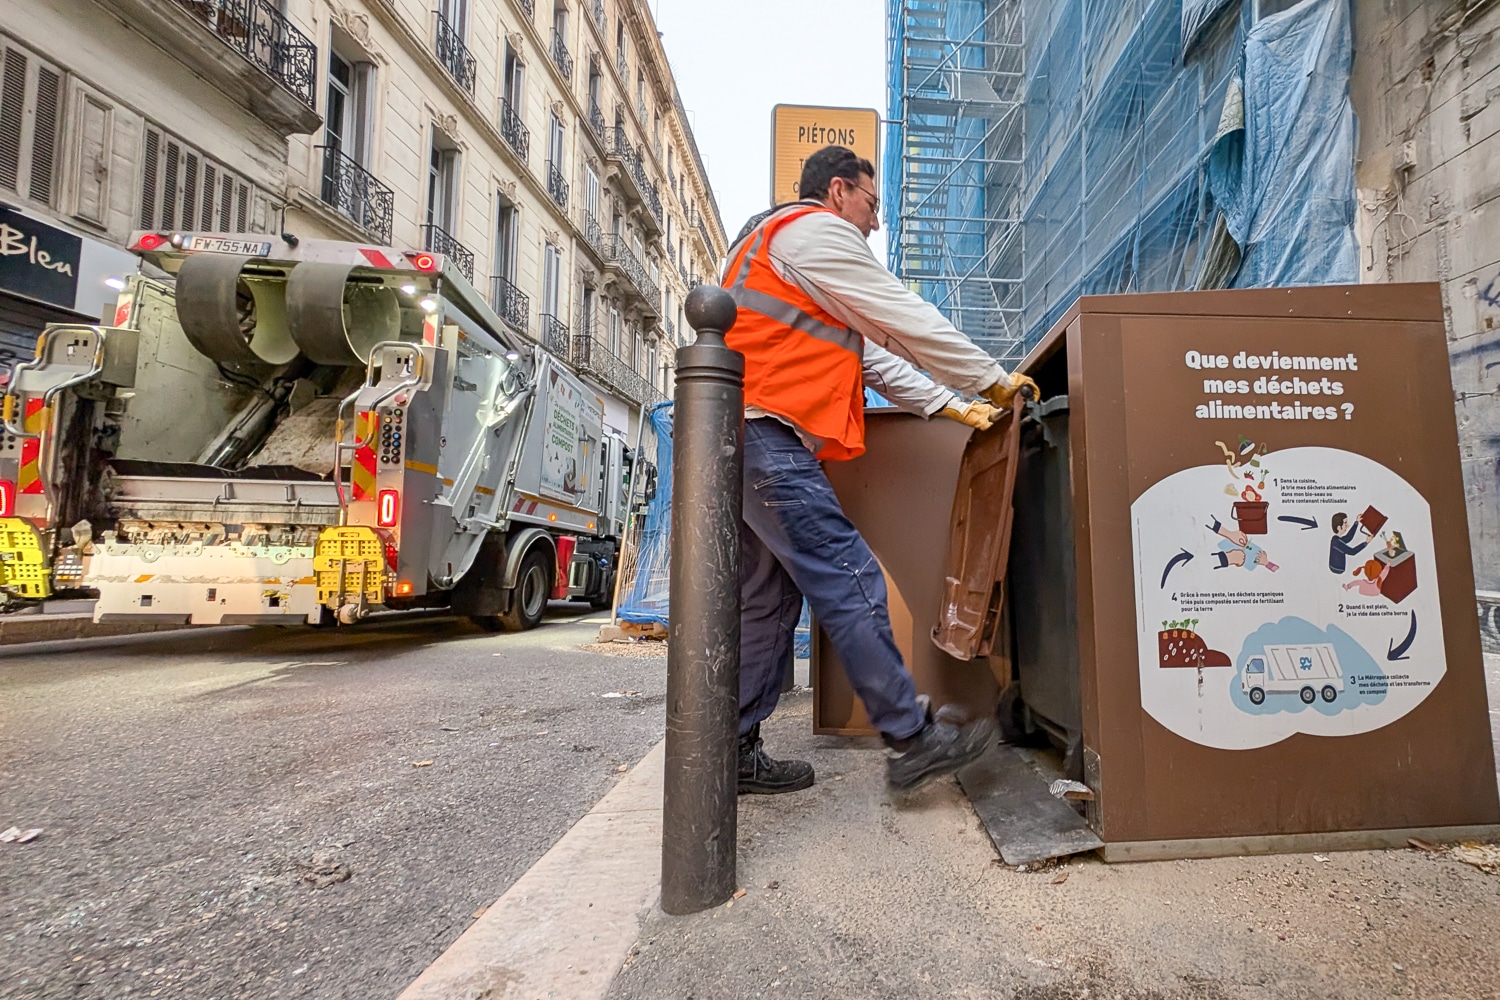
(1022,818)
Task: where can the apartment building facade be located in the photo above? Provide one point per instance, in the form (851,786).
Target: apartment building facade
(542,146)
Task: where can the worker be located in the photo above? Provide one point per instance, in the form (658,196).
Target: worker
(819,318)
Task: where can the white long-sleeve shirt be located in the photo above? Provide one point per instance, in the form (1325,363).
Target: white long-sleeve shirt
(830,260)
(899,382)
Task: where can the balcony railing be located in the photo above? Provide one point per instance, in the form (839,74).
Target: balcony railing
(512,304)
(259,32)
(618,253)
(597,10)
(593,233)
(640,111)
(623,65)
(557,186)
(455,56)
(437,240)
(528,7)
(596,120)
(671,331)
(561,56)
(555,335)
(708,243)
(354,192)
(592,355)
(687,279)
(514,131)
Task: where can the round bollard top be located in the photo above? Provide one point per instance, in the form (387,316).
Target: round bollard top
(709,307)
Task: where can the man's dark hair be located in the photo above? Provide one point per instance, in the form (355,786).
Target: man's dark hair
(826,164)
(1339,520)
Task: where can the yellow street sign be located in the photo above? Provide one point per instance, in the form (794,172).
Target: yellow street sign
(798,131)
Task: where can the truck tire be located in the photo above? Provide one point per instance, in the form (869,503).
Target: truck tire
(1329,693)
(1308,696)
(1257,696)
(528,601)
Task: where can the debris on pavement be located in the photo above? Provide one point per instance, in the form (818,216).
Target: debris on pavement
(739,892)
(1060,878)
(1062,788)
(422,763)
(16,835)
(621,694)
(1424,845)
(1321,857)
(1485,857)
(324,870)
(641,649)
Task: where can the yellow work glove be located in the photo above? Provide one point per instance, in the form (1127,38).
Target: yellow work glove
(1004,391)
(979,415)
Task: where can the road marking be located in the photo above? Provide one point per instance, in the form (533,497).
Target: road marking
(564,928)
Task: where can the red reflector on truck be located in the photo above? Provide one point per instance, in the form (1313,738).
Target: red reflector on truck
(7,498)
(388,508)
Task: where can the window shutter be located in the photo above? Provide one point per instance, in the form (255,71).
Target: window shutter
(171,186)
(241,207)
(95,129)
(12,114)
(226,199)
(210,185)
(190,193)
(150,168)
(44,134)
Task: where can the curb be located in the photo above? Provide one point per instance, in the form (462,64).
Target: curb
(17,629)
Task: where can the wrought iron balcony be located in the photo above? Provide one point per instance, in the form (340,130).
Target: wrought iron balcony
(528,7)
(354,192)
(708,243)
(640,111)
(514,131)
(623,65)
(455,56)
(597,10)
(670,328)
(437,240)
(591,355)
(619,255)
(687,279)
(555,335)
(593,233)
(262,34)
(561,56)
(596,120)
(512,304)
(557,186)
(651,196)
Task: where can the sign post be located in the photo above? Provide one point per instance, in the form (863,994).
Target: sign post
(798,131)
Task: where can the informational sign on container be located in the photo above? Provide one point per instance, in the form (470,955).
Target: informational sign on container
(798,131)
(1284,570)
(574,431)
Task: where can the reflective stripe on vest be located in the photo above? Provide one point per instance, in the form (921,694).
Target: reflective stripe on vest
(800,363)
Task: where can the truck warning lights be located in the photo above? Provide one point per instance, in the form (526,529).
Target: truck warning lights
(7,498)
(388,508)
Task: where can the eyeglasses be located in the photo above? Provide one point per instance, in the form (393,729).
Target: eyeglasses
(874,198)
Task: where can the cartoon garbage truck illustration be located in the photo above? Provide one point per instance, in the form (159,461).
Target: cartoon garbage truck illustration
(1306,670)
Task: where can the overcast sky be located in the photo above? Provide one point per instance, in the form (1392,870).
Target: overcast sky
(734,62)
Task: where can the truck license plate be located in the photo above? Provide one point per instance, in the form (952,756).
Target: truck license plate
(213,244)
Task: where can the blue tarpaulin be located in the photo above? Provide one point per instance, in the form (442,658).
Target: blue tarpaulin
(1197,15)
(1284,179)
(644,597)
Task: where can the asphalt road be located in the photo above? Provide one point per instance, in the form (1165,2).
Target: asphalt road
(240,813)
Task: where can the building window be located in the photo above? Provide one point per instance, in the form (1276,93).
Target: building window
(456,13)
(346,119)
(183,189)
(31,120)
(512,86)
(507,232)
(442,185)
(557,175)
(614,331)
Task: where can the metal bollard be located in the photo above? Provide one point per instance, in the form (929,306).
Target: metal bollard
(699,813)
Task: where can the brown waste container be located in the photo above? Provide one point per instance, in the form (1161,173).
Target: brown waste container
(1276,646)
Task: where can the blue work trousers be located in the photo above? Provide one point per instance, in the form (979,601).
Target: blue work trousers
(796,541)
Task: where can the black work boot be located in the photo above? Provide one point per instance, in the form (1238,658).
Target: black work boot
(760,775)
(943,745)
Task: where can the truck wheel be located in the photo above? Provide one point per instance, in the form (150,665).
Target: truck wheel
(1309,696)
(528,601)
(1257,696)
(1329,693)
(601,603)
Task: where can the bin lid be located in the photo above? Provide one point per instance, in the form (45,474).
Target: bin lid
(979,540)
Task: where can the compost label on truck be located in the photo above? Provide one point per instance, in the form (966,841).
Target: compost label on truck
(574,432)
(1281,592)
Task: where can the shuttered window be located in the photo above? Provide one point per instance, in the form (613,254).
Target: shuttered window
(95,135)
(181,188)
(31,112)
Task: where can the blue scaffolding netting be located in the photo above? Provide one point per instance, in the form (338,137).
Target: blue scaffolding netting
(1045,149)
(644,590)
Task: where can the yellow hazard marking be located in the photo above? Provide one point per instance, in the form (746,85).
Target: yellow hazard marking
(145,578)
(431,470)
(485,490)
(447,482)
(350,566)
(23,566)
(305,581)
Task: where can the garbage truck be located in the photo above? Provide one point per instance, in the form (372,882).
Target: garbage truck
(1308,671)
(276,430)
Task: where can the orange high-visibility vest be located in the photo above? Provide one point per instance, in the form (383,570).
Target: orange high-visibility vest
(800,362)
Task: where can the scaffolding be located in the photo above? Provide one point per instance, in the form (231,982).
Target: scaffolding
(954,162)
